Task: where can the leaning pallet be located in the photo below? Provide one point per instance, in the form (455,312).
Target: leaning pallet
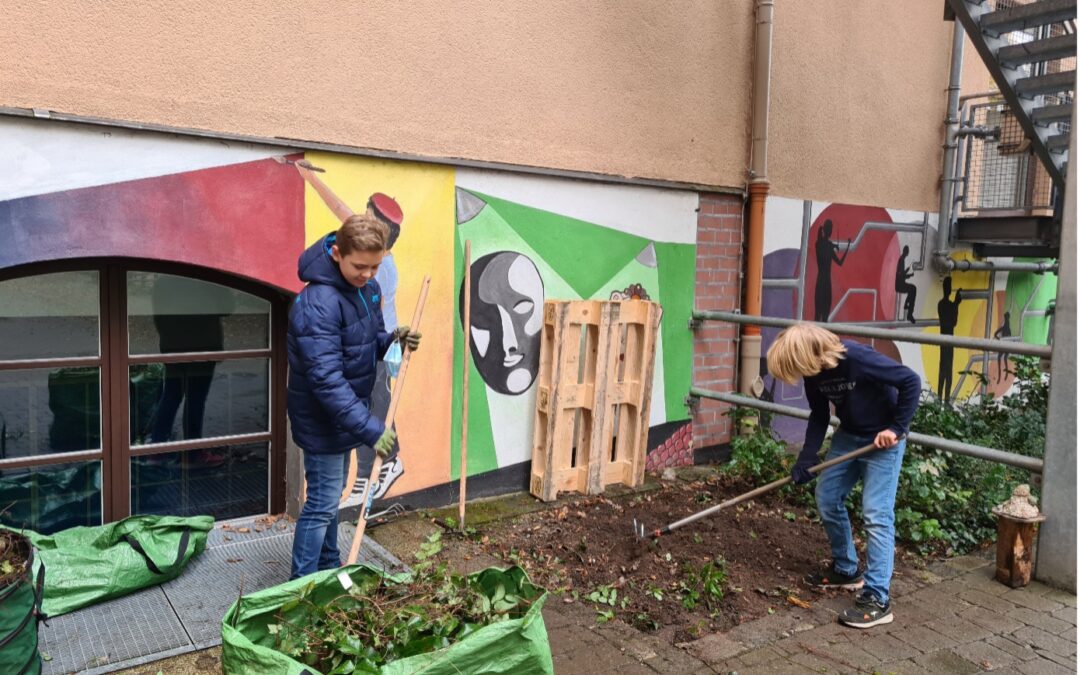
(593,395)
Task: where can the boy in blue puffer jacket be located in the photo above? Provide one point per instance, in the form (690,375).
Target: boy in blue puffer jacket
(336,337)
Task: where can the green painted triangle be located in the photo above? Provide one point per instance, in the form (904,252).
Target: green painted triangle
(595,256)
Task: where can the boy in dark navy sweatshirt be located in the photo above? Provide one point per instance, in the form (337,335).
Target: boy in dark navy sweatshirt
(875,399)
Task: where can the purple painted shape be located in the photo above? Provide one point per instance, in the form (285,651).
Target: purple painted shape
(782,264)
(780,303)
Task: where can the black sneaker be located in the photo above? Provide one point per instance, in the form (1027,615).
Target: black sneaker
(830,578)
(866,613)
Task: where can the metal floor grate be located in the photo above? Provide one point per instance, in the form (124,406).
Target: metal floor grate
(184,614)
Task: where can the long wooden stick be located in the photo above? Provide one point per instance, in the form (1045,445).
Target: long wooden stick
(465,388)
(775,485)
(395,398)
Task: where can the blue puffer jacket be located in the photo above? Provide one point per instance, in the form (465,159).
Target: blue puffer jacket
(336,337)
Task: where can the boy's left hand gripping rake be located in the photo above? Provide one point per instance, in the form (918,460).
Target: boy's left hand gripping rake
(639,528)
(395,398)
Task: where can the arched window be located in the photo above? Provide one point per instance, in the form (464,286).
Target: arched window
(130,388)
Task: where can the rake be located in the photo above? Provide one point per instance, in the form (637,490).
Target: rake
(392,511)
(639,528)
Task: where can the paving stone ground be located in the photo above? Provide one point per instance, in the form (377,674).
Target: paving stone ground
(955,619)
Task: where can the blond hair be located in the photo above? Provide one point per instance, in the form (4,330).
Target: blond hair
(803,350)
(362,232)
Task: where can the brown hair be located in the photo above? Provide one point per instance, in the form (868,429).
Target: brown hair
(803,350)
(361,232)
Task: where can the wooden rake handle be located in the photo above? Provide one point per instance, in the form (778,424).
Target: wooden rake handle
(765,489)
(395,398)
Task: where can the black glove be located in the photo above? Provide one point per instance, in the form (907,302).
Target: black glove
(800,473)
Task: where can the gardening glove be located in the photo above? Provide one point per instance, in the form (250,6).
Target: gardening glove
(408,338)
(800,473)
(385,444)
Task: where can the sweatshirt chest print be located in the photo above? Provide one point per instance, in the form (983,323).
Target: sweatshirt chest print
(836,390)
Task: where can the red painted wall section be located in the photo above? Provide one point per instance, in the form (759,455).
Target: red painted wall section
(245,219)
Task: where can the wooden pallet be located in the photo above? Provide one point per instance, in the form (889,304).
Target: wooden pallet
(594,389)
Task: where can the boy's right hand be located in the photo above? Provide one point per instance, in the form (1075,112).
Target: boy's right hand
(800,473)
(385,444)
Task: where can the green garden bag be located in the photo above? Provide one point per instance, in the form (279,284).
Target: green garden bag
(518,646)
(87,565)
(20,607)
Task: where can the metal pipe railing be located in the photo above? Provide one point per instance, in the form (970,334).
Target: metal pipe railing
(999,346)
(1033,464)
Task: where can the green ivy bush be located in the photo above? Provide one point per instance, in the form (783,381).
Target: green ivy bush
(943,501)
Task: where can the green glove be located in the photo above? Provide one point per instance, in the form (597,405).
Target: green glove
(385,444)
(407,338)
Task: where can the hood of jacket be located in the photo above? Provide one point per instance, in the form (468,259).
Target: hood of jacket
(316,265)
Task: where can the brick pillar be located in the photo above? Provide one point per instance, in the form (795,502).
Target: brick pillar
(718,286)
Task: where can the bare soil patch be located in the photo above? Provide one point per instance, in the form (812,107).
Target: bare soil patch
(742,563)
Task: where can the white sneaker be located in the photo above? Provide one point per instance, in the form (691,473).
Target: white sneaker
(389,473)
(358,489)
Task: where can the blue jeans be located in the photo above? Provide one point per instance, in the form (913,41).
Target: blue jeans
(315,545)
(880,472)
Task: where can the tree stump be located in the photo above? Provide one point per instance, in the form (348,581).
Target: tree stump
(1014,549)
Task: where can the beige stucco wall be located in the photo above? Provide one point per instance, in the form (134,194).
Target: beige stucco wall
(640,91)
(636,89)
(858,101)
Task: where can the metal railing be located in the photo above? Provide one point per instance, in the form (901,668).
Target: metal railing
(1042,351)
(1033,464)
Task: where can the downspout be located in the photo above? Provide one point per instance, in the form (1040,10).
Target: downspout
(950,177)
(750,382)
(952,132)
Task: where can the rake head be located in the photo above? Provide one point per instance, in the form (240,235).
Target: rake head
(641,534)
(395,509)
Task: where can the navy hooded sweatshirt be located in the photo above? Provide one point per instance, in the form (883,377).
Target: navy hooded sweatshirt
(870,391)
(336,338)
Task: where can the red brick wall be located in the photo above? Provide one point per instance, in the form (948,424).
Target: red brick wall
(718,286)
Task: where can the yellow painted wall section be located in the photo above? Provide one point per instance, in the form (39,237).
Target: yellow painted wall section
(858,101)
(635,88)
(425,247)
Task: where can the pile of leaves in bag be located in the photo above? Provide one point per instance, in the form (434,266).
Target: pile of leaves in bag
(12,558)
(378,621)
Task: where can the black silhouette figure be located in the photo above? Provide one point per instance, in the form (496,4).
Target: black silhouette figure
(903,273)
(1000,334)
(825,251)
(947,311)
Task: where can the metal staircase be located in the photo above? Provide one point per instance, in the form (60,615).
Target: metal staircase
(1030,50)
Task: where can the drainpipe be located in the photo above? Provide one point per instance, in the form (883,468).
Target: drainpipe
(952,130)
(950,177)
(750,382)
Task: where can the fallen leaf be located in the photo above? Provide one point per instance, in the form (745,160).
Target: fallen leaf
(243,530)
(233,560)
(798,602)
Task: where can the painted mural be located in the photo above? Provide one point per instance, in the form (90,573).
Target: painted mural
(872,265)
(534,239)
(248,211)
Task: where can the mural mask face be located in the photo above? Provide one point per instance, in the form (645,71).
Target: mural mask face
(507,313)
